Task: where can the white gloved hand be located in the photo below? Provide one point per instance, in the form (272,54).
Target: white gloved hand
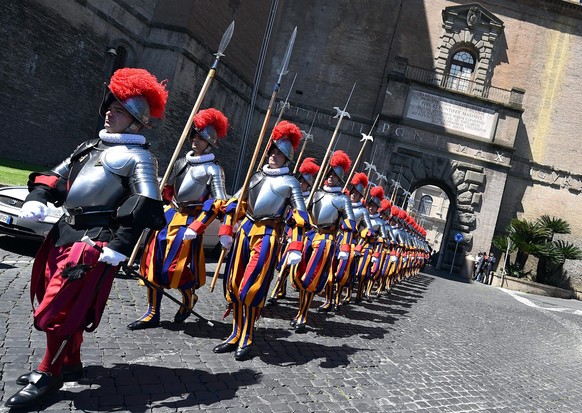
(294,257)
(190,234)
(109,256)
(33,211)
(343,255)
(226,241)
(375,260)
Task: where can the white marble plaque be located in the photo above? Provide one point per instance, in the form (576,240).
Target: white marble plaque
(450,114)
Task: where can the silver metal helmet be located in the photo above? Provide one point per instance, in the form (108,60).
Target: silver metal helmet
(309,178)
(286,148)
(339,171)
(137,106)
(209,134)
(376,201)
(360,188)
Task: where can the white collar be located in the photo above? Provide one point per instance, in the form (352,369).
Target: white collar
(275,172)
(121,138)
(356,204)
(194,159)
(376,215)
(305,194)
(334,189)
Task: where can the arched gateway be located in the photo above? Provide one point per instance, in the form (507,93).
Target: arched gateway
(449,127)
(429,143)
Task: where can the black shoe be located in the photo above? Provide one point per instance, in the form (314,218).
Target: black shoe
(293,323)
(224,348)
(242,353)
(142,325)
(41,385)
(272,300)
(301,328)
(323,309)
(70,373)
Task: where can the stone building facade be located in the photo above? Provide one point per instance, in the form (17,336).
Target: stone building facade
(479,99)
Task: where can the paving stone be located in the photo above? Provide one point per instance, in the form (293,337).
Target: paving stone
(435,344)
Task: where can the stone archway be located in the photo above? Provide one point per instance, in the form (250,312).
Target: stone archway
(463,183)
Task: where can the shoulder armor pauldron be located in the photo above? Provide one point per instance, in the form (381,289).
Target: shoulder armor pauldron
(255,179)
(122,159)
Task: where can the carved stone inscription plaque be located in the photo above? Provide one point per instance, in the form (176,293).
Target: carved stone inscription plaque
(452,115)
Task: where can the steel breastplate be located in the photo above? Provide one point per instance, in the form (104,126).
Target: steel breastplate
(93,187)
(268,196)
(326,208)
(359,214)
(192,186)
(378,225)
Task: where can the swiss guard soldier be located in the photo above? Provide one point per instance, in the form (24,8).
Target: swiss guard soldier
(363,228)
(331,212)
(372,245)
(388,257)
(307,173)
(252,260)
(108,188)
(174,256)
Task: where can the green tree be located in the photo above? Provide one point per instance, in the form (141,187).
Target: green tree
(529,238)
(537,238)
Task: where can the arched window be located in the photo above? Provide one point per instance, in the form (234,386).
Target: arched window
(461,71)
(120,60)
(425,205)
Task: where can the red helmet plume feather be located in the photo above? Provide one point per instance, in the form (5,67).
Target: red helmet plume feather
(360,178)
(340,158)
(285,128)
(385,205)
(129,82)
(309,167)
(212,117)
(394,211)
(377,192)
(402,214)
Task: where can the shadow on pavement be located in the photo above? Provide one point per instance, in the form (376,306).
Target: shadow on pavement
(19,246)
(296,353)
(140,388)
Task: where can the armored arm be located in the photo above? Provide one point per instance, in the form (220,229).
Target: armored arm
(298,218)
(143,207)
(212,207)
(51,186)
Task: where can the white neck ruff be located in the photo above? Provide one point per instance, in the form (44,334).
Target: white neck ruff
(121,138)
(275,172)
(196,159)
(332,188)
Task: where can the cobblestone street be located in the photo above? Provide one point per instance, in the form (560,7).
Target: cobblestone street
(435,344)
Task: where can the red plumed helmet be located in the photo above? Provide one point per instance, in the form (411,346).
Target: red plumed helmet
(286,137)
(211,124)
(360,182)
(377,195)
(139,92)
(340,163)
(402,214)
(394,211)
(385,205)
(309,170)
